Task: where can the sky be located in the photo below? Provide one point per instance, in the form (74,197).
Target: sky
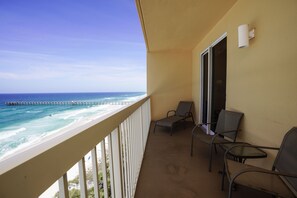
(51,46)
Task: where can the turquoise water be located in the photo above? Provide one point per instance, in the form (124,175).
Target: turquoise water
(23,125)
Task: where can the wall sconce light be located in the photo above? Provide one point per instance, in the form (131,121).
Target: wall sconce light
(244,35)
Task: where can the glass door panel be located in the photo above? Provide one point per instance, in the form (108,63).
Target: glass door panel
(219,66)
(213,82)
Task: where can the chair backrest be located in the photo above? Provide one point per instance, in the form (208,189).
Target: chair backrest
(229,121)
(286,159)
(183,108)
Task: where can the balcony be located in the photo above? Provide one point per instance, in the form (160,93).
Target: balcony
(261,83)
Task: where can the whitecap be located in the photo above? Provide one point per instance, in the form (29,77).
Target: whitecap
(34,111)
(9,133)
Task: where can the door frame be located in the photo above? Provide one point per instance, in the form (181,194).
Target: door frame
(209,93)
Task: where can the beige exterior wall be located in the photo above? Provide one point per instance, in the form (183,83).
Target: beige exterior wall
(261,79)
(169,80)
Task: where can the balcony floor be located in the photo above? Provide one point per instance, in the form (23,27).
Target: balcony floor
(168,170)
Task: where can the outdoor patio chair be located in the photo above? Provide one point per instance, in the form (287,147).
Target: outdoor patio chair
(281,181)
(225,132)
(182,112)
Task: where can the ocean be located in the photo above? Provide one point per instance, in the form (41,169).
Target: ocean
(22,125)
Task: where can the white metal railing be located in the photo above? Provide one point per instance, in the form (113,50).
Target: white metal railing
(116,143)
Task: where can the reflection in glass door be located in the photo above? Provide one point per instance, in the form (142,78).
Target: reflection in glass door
(213,81)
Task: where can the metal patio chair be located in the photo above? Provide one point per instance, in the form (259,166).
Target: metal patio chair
(281,181)
(173,117)
(225,132)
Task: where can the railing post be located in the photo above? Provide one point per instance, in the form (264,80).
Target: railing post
(63,187)
(129,162)
(111,167)
(95,172)
(123,143)
(127,158)
(142,129)
(82,178)
(117,171)
(104,168)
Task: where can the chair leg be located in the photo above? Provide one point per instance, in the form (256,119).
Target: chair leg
(210,158)
(230,189)
(171,131)
(192,141)
(215,147)
(193,120)
(155,127)
(223,178)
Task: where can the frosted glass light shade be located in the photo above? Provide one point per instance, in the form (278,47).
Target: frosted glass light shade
(243,36)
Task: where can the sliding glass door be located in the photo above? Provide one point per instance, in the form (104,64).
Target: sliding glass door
(213,82)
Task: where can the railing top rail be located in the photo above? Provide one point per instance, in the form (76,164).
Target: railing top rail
(39,162)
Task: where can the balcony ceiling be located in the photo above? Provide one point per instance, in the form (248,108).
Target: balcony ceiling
(179,24)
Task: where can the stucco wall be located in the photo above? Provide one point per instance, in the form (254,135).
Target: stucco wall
(261,79)
(169,77)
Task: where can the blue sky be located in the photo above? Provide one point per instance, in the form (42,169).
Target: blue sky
(71,46)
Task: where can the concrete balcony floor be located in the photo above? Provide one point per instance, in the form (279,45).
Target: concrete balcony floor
(168,170)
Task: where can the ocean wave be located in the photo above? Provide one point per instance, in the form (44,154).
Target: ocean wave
(31,141)
(48,133)
(8,151)
(86,112)
(32,111)
(9,133)
(133,98)
(71,113)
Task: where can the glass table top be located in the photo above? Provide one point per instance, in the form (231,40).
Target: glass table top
(243,151)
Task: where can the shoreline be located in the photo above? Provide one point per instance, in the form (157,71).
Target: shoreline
(57,132)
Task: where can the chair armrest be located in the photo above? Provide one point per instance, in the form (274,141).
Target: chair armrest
(279,173)
(170,112)
(206,123)
(255,169)
(200,125)
(221,133)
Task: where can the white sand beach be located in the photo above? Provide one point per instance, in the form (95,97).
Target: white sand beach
(73,173)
